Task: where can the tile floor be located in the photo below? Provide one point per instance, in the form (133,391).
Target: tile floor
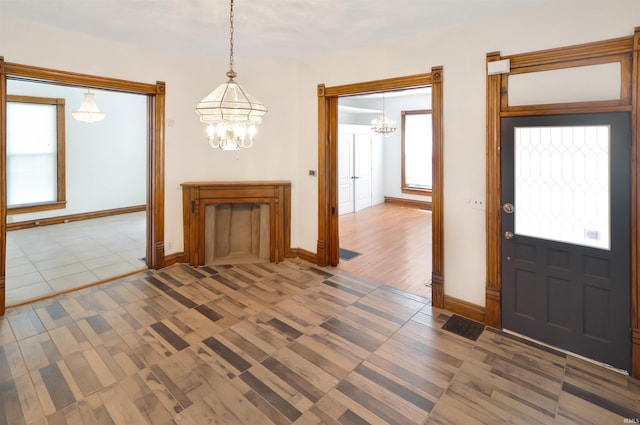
(50,259)
(280,344)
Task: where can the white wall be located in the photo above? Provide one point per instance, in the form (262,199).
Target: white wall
(106,160)
(286,146)
(391,143)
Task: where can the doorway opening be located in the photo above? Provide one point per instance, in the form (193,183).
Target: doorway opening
(150,203)
(328,247)
(385,231)
(89,223)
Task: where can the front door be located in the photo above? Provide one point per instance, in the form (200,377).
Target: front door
(566,232)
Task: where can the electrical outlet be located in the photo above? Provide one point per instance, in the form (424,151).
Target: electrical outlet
(476,204)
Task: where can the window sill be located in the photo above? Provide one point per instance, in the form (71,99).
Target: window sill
(29,208)
(416,191)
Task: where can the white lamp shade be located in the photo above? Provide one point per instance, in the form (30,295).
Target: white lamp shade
(88,111)
(230,102)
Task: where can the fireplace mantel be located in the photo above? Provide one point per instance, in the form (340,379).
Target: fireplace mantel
(197,195)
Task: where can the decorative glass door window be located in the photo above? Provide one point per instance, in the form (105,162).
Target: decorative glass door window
(562,184)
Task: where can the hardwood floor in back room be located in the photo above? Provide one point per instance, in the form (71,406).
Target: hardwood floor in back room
(280,344)
(395,246)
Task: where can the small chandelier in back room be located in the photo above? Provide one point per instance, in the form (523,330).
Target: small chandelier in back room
(232,113)
(88,110)
(383,125)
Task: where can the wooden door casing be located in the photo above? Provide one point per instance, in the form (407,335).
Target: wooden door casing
(155,250)
(327,248)
(626,52)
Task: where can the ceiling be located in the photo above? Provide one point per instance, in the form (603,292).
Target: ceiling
(263,28)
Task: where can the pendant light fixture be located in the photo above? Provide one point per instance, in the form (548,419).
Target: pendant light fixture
(383,125)
(88,111)
(231,112)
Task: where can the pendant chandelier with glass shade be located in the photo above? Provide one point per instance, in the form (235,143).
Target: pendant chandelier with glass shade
(383,125)
(231,112)
(88,111)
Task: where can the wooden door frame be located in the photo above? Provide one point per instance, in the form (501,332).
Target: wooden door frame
(626,51)
(327,250)
(155,159)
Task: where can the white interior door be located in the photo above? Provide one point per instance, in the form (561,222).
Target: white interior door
(345,174)
(362,167)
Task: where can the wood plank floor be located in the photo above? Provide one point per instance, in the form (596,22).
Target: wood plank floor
(281,344)
(395,246)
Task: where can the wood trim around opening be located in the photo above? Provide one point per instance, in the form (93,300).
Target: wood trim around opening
(328,244)
(156,122)
(625,50)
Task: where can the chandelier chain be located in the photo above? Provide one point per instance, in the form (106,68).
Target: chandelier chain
(231,37)
(383,124)
(231,112)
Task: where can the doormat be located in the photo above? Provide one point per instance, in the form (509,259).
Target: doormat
(464,327)
(345,254)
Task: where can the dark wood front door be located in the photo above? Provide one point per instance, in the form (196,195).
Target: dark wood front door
(566,232)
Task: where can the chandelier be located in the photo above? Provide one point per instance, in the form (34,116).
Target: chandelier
(231,112)
(88,111)
(383,125)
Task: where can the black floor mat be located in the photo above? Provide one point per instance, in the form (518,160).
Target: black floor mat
(345,254)
(464,327)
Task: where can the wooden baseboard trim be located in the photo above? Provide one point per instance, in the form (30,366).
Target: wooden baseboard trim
(464,308)
(178,257)
(18,225)
(424,205)
(171,259)
(305,255)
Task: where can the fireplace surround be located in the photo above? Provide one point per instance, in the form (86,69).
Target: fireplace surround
(236,222)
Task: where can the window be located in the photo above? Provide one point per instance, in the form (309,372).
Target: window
(35,154)
(417,140)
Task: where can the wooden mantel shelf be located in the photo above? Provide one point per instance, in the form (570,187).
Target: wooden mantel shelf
(197,195)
